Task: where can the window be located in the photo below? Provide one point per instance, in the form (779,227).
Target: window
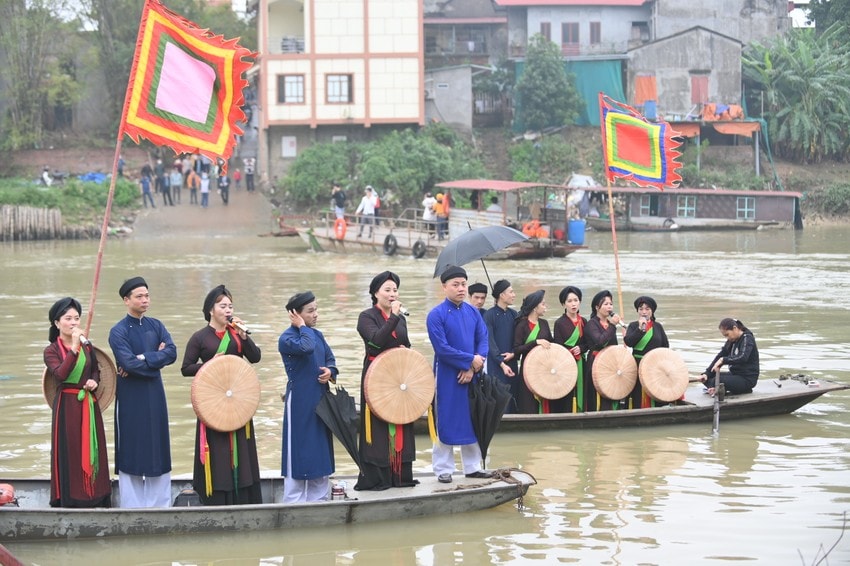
(339,88)
(546,30)
(746,208)
(699,89)
(686,206)
(640,32)
(595,33)
(290,89)
(569,38)
(644,205)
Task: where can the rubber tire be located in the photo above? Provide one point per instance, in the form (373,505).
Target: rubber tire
(419,249)
(669,222)
(390,245)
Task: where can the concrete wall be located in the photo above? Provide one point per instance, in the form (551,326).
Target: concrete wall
(745,20)
(450,98)
(674,59)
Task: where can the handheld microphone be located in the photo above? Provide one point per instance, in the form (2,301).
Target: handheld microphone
(404,311)
(84,341)
(238,325)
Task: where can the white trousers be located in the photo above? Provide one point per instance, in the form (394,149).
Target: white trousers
(145,491)
(301,491)
(443,458)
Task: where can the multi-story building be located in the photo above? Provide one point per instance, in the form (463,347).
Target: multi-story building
(332,70)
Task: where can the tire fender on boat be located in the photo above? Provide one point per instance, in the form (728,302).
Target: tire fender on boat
(339,228)
(419,249)
(669,222)
(390,245)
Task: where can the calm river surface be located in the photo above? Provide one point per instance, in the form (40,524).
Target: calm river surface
(769,491)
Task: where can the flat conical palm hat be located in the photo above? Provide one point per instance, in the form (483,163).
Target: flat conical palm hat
(399,385)
(105,391)
(663,374)
(550,372)
(614,372)
(226,393)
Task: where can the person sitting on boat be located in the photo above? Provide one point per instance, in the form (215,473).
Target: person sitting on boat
(740,354)
(387,450)
(79,471)
(307,454)
(501,361)
(643,336)
(478,296)
(530,331)
(219,478)
(600,332)
(569,332)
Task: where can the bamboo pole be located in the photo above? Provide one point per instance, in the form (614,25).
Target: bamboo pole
(616,251)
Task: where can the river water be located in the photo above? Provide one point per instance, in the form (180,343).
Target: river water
(767,491)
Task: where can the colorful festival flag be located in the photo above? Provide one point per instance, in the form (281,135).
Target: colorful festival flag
(185,89)
(636,149)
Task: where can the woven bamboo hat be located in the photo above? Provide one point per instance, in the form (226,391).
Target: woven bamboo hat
(399,385)
(105,392)
(550,372)
(614,372)
(663,375)
(226,393)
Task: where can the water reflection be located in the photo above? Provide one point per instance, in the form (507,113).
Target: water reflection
(653,496)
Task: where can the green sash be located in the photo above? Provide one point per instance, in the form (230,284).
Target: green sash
(639,347)
(88,432)
(534,332)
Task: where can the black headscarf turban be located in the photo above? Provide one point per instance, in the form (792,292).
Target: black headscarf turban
(300,300)
(452,272)
(58,309)
(500,287)
(530,302)
(131,284)
(598,298)
(565,292)
(477,288)
(210,300)
(379,280)
(648,301)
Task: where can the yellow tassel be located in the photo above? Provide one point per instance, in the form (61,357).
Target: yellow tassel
(575,405)
(208,471)
(368,425)
(432,427)
(598,401)
(248,429)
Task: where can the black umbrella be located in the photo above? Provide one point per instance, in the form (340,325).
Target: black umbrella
(488,400)
(338,412)
(476,244)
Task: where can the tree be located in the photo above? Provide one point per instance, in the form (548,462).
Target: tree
(37,71)
(827,12)
(804,79)
(546,91)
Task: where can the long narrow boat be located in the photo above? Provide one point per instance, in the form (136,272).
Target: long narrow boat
(34,519)
(769,398)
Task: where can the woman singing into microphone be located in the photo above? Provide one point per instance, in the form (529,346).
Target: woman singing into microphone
(233,463)
(387,453)
(79,471)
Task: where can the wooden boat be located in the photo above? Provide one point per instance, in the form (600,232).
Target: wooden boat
(408,234)
(650,210)
(769,398)
(34,519)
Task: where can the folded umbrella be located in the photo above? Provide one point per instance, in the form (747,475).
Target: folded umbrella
(338,412)
(488,400)
(478,243)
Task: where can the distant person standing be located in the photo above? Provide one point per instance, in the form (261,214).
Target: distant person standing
(193,182)
(145,184)
(224,188)
(237,179)
(175,180)
(159,173)
(142,347)
(121,164)
(165,189)
(428,214)
(338,197)
(205,189)
(249,163)
(366,211)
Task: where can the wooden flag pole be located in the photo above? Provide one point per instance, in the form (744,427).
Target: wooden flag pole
(616,251)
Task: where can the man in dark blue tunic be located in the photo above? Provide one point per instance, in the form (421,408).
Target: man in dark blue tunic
(142,347)
(500,320)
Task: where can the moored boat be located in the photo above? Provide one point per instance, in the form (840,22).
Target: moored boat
(769,398)
(34,519)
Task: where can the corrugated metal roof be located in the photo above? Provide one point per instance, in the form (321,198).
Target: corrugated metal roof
(493,185)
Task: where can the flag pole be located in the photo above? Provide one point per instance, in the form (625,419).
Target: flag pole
(616,250)
(110,197)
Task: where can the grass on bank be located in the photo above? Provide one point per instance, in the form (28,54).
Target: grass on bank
(79,201)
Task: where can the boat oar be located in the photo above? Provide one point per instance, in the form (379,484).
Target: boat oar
(719,391)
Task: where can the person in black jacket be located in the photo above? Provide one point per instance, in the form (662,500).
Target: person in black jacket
(740,354)
(643,336)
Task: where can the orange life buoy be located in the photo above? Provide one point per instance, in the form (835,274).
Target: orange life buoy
(530,228)
(339,228)
(7,494)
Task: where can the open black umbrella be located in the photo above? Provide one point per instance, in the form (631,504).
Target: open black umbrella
(488,400)
(478,243)
(338,412)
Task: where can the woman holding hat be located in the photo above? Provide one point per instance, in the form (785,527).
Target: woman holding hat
(643,336)
(600,332)
(387,450)
(79,471)
(307,451)
(569,332)
(530,331)
(226,469)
